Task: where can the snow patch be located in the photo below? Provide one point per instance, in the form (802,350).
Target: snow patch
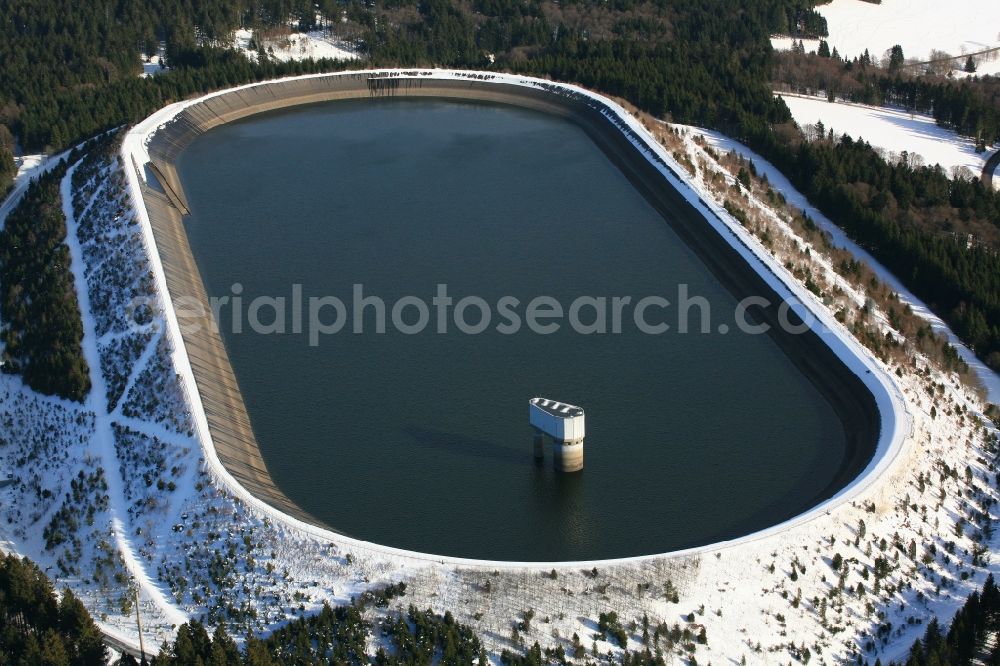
(316,44)
(919,26)
(893,130)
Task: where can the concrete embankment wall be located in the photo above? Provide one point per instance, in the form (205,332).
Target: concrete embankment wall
(228,421)
(990,169)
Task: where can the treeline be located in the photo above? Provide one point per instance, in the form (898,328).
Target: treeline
(38,628)
(41,326)
(705,62)
(967,639)
(913,219)
(971,107)
(70,69)
(67,116)
(804,21)
(7,167)
(678,83)
(334,635)
(341,635)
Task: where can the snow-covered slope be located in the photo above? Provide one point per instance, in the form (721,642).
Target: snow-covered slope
(989,379)
(919,26)
(296,46)
(892,130)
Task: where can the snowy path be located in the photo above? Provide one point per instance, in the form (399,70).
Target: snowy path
(149,429)
(780,183)
(22,182)
(103,444)
(117,335)
(137,368)
(25,177)
(93,198)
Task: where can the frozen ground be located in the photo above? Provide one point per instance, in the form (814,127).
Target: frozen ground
(919,26)
(151,66)
(109,502)
(892,130)
(296,46)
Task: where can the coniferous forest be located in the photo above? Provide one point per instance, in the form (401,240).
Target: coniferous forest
(36,627)
(967,639)
(41,328)
(70,71)
(923,226)
(70,68)
(938,232)
(39,627)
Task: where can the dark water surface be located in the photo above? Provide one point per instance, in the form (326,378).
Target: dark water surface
(422,441)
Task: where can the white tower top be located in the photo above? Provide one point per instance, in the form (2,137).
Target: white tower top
(556,419)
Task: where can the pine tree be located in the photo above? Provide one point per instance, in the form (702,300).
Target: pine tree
(224,649)
(970,65)
(257,653)
(7,168)
(53,649)
(743,177)
(895,58)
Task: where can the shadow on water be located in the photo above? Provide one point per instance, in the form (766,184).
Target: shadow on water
(457,444)
(550,484)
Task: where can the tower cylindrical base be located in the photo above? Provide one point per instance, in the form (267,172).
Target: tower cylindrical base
(568,457)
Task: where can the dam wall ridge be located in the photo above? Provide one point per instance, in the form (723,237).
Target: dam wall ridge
(895,422)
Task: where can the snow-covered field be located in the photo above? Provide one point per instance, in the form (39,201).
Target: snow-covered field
(919,26)
(120,494)
(296,46)
(892,130)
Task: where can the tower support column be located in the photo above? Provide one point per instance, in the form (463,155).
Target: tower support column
(568,456)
